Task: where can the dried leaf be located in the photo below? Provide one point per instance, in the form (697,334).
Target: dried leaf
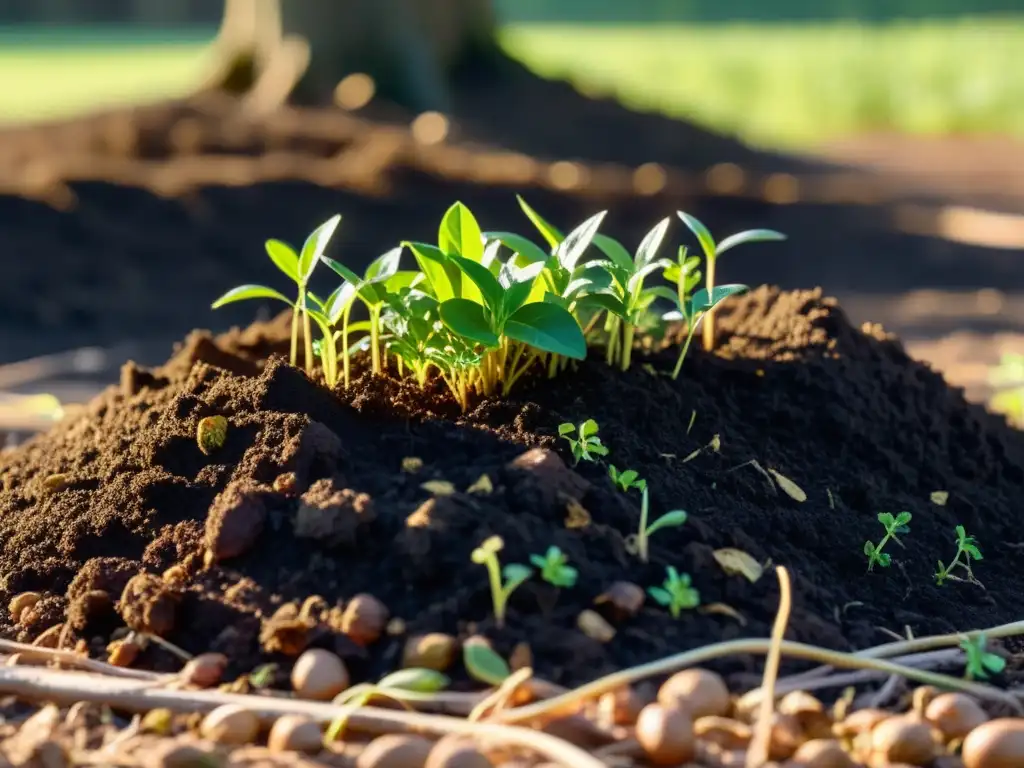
(723,610)
(939,498)
(593,625)
(438,487)
(737,562)
(412,464)
(790,488)
(831,501)
(576,515)
(482,486)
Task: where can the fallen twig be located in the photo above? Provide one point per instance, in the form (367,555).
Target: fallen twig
(66,687)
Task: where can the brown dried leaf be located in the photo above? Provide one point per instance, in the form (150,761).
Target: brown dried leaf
(737,562)
(482,486)
(576,515)
(790,488)
(438,487)
(939,498)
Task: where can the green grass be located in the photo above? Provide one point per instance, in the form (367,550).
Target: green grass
(794,85)
(787,85)
(50,74)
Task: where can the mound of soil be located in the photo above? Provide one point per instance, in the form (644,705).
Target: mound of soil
(119,518)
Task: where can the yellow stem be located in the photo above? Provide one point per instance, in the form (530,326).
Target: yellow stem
(709,319)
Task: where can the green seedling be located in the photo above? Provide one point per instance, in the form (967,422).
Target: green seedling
(413,684)
(712,251)
(966,547)
(675,592)
(980,662)
(693,307)
(493,306)
(638,543)
(587,445)
(299,267)
(514,574)
(626,300)
(894,526)
(626,479)
(553,568)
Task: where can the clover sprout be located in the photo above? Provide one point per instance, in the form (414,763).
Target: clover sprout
(966,546)
(587,445)
(626,479)
(894,525)
(553,568)
(981,663)
(675,592)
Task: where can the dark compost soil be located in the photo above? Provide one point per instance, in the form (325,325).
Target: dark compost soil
(842,412)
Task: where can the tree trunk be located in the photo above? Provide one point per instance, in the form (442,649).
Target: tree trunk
(409,47)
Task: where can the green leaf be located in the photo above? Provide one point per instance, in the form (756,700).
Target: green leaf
(576,242)
(604,301)
(384,266)
(660,595)
(615,251)
(671,519)
(549,328)
(588,428)
(707,242)
(566,428)
(483,664)
(520,245)
(636,280)
(548,232)
(340,300)
(460,234)
(750,236)
(961,533)
(433,261)
(994,663)
(651,243)
(886,519)
(903,518)
(243,292)
(490,289)
(418,679)
(367,292)
(516,296)
(284,257)
(869,548)
(315,245)
(701,302)
(466,318)
(973,552)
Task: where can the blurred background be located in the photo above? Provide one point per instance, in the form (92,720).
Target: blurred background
(149,147)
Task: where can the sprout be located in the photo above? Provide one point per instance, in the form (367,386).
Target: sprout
(626,479)
(553,568)
(299,267)
(587,445)
(675,592)
(893,525)
(638,543)
(966,546)
(487,554)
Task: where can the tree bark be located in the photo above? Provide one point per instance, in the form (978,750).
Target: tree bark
(409,47)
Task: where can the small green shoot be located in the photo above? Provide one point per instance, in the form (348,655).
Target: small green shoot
(675,592)
(487,554)
(299,267)
(980,662)
(712,251)
(894,525)
(587,445)
(626,479)
(553,568)
(637,543)
(966,546)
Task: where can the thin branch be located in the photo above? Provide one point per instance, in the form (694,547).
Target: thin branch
(65,687)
